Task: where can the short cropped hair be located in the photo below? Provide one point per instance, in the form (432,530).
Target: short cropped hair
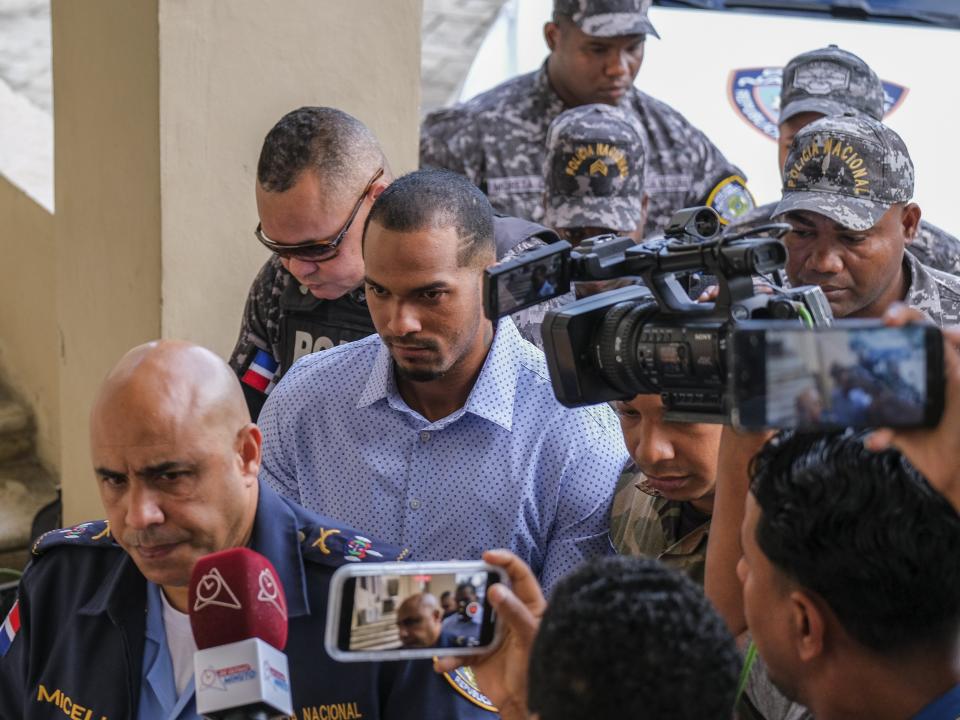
(866,533)
(627,637)
(438,199)
(331,142)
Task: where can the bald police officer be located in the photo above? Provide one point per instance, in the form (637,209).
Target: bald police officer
(102,611)
(319,172)
(847,193)
(596,48)
(832,81)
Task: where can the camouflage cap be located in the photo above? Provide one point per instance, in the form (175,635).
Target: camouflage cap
(608,18)
(594,168)
(849,168)
(830,81)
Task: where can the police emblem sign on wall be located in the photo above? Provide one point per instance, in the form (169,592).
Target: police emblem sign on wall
(755,96)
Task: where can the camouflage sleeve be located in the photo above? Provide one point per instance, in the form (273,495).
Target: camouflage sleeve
(443,140)
(259,328)
(260,315)
(936,248)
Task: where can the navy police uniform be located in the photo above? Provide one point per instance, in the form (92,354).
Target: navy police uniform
(282,321)
(82,616)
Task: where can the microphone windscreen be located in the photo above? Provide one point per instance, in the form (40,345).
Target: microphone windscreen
(236,594)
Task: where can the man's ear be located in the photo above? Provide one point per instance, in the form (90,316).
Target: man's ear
(551,33)
(910,221)
(807,626)
(378,188)
(249,444)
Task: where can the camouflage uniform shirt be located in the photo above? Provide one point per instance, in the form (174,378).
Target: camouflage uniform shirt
(935,248)
(498,140)
(645,524)
(935,293)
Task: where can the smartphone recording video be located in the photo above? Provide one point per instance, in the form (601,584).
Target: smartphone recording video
(853,374)
(394,611)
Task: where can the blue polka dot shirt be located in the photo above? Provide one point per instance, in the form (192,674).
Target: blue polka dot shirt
(513,468)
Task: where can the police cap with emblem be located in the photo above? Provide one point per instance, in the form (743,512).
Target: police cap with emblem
(594,169)
(608,18)
(830,81)
(849,168)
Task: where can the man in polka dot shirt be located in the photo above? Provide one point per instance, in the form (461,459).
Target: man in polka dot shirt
(442,433)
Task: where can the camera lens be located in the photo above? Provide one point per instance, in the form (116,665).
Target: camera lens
(617,342)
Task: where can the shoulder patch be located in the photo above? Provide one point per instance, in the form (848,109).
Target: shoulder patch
(336,545)
(93,533)
(464,682)
(731,199)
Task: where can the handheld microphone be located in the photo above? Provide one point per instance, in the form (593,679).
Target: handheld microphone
(238,613)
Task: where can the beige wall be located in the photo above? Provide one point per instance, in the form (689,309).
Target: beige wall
(229,71)
(29,352)
(160,110)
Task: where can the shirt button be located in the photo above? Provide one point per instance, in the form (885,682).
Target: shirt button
(414,504)
(424,436)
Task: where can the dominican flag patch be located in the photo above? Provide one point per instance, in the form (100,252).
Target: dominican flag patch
(261,372)
(9,629)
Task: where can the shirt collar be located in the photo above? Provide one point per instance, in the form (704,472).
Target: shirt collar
(945,707)
(276,535)
(550,103)
(493,394)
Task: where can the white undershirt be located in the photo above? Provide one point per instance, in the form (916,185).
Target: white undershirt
(180,643)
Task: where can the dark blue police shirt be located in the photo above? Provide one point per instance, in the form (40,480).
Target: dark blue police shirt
(82,605)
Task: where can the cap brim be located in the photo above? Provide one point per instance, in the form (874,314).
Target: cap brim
(618,24)
(852,213)
(813,104)
(612,213)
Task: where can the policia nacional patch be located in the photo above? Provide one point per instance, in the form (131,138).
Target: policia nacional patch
(731,199)
(464,682)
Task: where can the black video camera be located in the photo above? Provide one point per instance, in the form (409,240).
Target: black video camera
(651,338)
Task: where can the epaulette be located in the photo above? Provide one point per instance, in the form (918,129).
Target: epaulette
(94,533)
(336,545)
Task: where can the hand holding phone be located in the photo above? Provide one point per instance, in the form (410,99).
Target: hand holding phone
(857,374)
(394,611)
(934,452)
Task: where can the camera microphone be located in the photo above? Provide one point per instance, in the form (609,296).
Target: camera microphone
(238,613)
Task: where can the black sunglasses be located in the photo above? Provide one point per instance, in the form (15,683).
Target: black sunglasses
(317,250)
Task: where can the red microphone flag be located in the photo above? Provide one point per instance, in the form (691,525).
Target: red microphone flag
(236,594)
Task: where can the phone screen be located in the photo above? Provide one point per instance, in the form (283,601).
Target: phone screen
(530,279)
(422,611)
(857,376)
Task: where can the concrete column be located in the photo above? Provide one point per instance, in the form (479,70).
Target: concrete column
(160,107)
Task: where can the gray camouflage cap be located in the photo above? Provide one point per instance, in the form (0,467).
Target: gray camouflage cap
(608,18)
(593,169)
(849,168)
(830,81)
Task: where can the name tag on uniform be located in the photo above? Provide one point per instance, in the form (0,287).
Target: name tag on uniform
(513,185)
(654,184)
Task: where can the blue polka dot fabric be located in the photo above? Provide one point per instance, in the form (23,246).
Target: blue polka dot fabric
(513,468)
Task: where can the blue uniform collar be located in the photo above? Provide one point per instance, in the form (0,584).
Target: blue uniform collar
(274,525)
(945,707)
(492,396)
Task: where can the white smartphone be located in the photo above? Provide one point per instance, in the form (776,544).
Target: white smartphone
(400,611)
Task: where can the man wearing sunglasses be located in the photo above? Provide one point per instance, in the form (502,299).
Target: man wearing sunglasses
(319,172)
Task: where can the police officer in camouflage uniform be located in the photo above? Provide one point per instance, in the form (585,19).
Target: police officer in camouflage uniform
(593,175)
(319,172)
(848,184)
(831,81)
(664,498)
(596,47)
